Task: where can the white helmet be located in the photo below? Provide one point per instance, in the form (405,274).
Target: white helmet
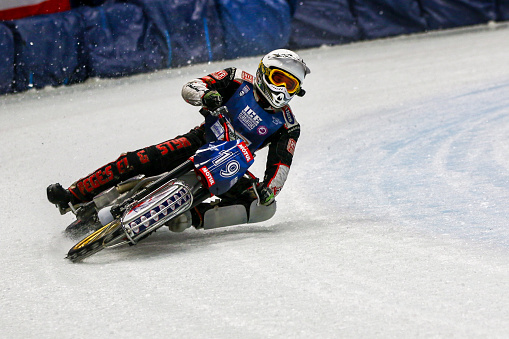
(280,76)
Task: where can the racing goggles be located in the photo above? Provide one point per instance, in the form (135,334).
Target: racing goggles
(278,77)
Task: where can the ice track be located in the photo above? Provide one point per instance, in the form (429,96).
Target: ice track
(393,223)
(440,165)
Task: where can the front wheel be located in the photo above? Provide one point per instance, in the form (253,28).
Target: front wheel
(95,242)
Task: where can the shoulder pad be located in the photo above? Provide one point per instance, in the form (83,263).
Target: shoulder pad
(290,120)
(241,76)
(219,75)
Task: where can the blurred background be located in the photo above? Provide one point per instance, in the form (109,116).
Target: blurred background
(61,42)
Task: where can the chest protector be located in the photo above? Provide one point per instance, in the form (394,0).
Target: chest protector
(246,120)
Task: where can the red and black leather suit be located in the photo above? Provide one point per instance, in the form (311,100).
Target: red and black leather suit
(160,158)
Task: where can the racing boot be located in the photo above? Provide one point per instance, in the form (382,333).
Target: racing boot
(59,196)
(197,214)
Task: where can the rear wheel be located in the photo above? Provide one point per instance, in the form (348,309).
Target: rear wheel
(96,241)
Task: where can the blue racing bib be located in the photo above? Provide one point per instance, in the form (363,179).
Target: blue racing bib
(247,120)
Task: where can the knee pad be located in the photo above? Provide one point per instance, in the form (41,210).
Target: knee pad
(237,214)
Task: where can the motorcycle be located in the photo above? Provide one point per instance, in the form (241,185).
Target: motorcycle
(134,209)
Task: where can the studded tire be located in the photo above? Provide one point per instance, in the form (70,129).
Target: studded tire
(95,242)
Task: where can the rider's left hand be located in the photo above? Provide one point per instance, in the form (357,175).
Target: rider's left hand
(266,194)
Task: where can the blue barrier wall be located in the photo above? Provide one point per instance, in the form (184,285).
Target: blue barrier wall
(189,31)
(112,38)
(114,46)
(502,10)
(318,22)
(448,14)
(47,50)
(381,18)
(254,27)
(6,59)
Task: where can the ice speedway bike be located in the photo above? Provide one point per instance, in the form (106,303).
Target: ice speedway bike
(134,209)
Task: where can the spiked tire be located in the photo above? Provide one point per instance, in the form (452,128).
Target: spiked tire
(95,242)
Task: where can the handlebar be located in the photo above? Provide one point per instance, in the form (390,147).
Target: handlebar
(220,114)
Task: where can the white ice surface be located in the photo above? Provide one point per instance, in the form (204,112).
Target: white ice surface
(393,223)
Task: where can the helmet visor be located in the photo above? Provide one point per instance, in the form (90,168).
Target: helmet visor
(279,77)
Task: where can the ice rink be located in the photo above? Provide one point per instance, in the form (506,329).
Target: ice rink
(394,222)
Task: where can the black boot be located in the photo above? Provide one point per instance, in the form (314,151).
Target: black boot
(59,196)
(197,214)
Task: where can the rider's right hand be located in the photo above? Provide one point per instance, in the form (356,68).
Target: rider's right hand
(212,100)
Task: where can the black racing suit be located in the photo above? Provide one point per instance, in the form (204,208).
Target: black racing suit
(163,157)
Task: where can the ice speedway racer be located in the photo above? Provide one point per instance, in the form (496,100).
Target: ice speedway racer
(133,209)
(242,115)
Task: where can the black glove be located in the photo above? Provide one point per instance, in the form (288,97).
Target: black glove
(212,100)
(266,195)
